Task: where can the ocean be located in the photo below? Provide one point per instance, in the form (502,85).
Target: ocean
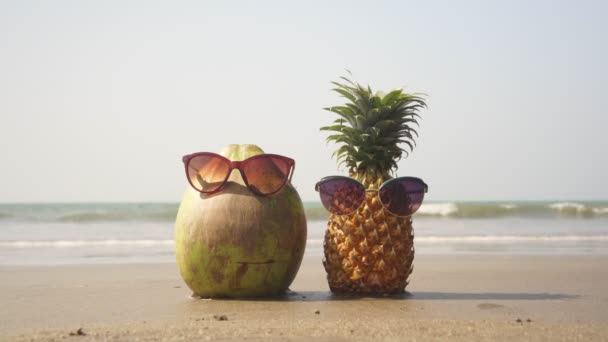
(54,234)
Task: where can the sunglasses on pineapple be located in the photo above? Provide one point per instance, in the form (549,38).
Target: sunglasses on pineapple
(264,174)
(400,196)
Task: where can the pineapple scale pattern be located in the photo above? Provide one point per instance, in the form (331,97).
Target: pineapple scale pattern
(370,251)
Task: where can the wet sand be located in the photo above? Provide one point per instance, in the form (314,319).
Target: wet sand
(450,297)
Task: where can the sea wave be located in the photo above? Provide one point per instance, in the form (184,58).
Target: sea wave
(438,209)
(88,213)
(528,210)
(477,239)
(600,211)
(100,243)
(579,209)
(510,238)
(149,212)
(472,210)
(83,243)
(508,206)
(477,210)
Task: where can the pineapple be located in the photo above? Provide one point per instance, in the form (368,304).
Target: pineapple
(371,251)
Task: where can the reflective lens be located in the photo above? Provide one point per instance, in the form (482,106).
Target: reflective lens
(402,196)
(266,174)
(341,195)
(207,173)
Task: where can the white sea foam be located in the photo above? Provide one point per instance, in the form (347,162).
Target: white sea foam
(509,206)
(438,209)
(579,207)
(600,211)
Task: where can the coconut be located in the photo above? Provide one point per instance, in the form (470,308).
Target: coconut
(235,243)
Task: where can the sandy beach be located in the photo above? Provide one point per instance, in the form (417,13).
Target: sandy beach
(457,298)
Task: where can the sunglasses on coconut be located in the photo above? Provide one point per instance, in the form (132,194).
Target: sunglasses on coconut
(264,174)
(401,196)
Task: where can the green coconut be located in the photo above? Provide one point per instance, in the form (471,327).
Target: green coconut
(238,244)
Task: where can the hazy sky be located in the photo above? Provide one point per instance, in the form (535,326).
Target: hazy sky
(100,99)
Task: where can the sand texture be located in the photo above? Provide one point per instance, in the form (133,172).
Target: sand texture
(552,298)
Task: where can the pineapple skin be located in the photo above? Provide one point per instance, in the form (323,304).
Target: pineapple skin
(369,251)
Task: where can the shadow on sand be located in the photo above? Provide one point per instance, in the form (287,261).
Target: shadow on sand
(322,296)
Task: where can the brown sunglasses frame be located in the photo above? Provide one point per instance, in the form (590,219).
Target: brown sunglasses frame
(239,166)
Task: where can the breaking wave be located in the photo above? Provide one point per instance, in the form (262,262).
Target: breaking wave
(149,212)
(477,239)
(528,210)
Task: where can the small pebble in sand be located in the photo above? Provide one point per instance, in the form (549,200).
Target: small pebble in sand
(317,312)
(220,317)
(529,320)
(78,332)
(518,320)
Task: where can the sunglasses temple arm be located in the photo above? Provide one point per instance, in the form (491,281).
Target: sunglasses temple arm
(293,168)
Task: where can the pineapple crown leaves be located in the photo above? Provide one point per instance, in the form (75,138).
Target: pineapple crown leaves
(372,127)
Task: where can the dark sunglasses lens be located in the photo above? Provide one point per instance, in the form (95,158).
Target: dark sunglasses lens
(341,195)
(402,197)
(267,174)
(207,173)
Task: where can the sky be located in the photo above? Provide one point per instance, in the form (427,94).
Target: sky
(99,100)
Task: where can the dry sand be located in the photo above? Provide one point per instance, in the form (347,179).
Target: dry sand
(550,298)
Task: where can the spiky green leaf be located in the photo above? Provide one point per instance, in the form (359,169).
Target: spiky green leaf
(372,129)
